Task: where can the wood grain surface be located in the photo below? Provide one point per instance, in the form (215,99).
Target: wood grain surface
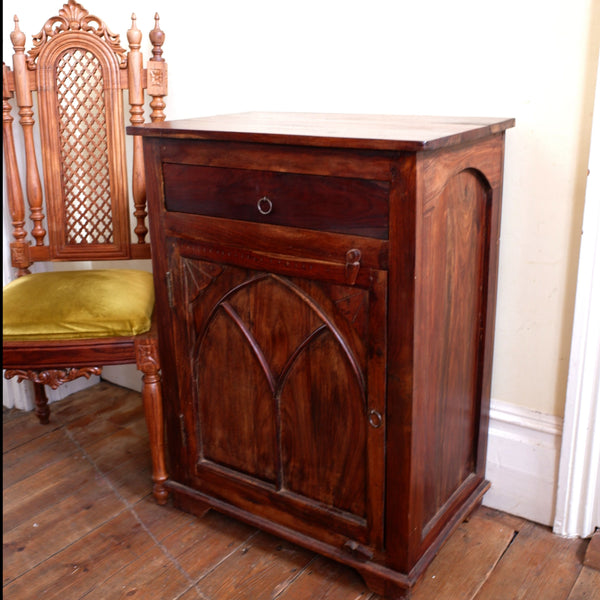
(80,522)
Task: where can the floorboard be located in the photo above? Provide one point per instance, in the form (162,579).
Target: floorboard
(80,523)
(592,555)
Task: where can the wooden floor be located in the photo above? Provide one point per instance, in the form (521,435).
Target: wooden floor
(79,523)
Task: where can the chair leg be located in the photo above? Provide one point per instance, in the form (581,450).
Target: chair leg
(51,377)
(147,363)
(42,410)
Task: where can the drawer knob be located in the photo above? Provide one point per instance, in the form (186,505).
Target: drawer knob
(264,205)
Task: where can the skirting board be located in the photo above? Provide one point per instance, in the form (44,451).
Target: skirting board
(522,462)
(20,395)
(522,459)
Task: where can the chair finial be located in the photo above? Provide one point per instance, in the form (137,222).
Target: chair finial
(17,37)
(134,35)
(157,37)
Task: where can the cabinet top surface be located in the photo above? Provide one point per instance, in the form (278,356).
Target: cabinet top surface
(376,132)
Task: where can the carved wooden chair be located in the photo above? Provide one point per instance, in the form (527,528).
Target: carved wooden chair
(61,325)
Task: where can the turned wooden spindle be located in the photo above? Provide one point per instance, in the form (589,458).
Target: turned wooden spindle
(157,73)
(16,204)
(136,101)
(25,104)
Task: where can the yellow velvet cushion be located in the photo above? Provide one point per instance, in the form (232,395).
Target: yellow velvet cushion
(78,304)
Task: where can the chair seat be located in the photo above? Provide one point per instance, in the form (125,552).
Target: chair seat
(62,305)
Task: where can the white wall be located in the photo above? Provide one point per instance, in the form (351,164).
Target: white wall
(534,60)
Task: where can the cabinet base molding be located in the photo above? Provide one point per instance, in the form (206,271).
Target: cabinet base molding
(383,580)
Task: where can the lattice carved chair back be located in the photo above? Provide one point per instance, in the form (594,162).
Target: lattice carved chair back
(80,71)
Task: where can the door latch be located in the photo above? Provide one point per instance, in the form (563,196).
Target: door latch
(169,282)
(353,257)
(358,550)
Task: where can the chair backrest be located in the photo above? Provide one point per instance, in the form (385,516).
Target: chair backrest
(79,71)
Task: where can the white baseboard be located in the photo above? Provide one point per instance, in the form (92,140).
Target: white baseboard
(20,395)
(126,376)
(70,387)
(522,461)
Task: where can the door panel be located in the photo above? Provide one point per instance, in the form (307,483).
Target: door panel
(236,423)
(323,432)
(278,377)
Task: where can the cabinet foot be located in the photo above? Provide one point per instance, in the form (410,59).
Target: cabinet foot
(386,588)
(192,506)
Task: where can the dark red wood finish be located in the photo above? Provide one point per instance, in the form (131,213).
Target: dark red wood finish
(327,368)
(339,204)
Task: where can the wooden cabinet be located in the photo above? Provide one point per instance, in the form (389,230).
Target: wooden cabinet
(326,293)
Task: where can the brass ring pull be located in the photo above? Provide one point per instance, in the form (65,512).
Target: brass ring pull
(264,205)
(375,419)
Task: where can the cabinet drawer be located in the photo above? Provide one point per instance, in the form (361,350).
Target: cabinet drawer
(337,204)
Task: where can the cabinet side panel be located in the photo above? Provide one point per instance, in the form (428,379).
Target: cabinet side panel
(451,307)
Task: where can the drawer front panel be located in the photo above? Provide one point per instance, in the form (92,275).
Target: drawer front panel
(336,204)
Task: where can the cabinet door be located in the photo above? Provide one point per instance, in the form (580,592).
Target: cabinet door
(282,385)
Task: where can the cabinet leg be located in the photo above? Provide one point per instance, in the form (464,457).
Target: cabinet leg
(194,507)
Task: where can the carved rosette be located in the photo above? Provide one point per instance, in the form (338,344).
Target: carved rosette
(19,252)
(157,78)
(52,377)
(73,17)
